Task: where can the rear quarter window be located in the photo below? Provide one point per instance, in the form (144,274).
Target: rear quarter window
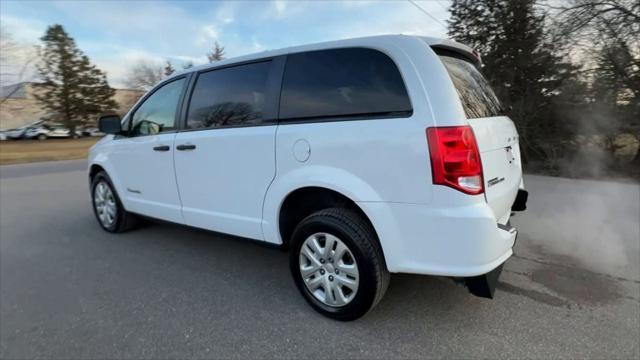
(478,99)
(342,83)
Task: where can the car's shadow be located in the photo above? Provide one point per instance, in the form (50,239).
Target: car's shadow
(257,275)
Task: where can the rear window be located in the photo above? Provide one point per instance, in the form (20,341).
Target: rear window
(478,99)
(342,83)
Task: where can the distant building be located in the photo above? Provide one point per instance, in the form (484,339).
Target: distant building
(19,106)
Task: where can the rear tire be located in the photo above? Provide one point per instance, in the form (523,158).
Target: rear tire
(107,207)
(356,281)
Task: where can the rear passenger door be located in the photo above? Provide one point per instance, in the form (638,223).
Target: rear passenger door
(225,157)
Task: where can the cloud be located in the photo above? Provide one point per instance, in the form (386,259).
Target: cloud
(131,18)
(226,12)
(113,64)
(161,27)
(208,34)
(23,30)
(196,60)
(280,6)
(116,34)
(358,3)
(395,18)
(18,54)
(257,46)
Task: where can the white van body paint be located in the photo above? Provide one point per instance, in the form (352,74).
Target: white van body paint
(382,165)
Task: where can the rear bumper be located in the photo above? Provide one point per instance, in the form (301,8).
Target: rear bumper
(461,241)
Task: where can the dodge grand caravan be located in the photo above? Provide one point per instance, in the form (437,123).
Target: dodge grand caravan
(362,157)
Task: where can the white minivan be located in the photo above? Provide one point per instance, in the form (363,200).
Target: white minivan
(361,157)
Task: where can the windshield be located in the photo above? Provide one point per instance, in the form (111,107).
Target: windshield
(478,99)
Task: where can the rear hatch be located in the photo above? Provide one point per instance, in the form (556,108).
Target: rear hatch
(495,134)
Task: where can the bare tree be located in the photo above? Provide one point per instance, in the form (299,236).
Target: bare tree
(603,25)
(580,15)
(217,54)
(610,31)
(144,75)
(7,46)
(16,61)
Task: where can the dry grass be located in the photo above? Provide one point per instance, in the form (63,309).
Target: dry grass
(26,151)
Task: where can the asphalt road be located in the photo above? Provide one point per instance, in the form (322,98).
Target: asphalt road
(69,290)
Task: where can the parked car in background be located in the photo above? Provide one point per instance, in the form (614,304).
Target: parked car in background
(19,133)
(38,132)
(92,132)
(50,130)
(3,136)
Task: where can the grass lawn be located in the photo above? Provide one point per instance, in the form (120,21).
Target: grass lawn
(26,151)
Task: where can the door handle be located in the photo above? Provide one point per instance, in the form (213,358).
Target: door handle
(161,148)
(185,147)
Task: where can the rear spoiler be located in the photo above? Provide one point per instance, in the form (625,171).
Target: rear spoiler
(447,45)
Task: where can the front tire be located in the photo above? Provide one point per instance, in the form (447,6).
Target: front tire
(42,137)
(107,206)
(337,263)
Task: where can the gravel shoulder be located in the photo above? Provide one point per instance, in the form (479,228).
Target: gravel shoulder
(28,151)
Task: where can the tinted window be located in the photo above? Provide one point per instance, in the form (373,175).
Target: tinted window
(478,99)
(342,82)
(231,96)
(158,112)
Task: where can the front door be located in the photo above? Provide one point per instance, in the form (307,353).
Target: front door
(225,157)
(143,160)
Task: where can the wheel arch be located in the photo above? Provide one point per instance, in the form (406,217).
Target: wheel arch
(94,169)
(339,186)
(304,201)
(97,167)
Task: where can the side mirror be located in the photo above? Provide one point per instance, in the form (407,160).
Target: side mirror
(110,124)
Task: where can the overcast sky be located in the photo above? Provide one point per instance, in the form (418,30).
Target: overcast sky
(115,34)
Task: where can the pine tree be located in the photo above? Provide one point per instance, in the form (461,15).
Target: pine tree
(168,69)
(521,62)
(474,24)
(217,54)
(73,91)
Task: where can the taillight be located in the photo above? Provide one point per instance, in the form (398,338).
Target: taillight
(455,159)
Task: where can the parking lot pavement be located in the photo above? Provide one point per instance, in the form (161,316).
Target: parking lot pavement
(70,290)
(41,168)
